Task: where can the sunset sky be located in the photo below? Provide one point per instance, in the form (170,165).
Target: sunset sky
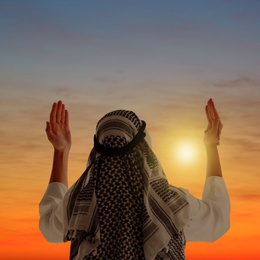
(161,59)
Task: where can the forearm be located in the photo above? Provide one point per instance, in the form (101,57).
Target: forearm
(213,162)
(60,167)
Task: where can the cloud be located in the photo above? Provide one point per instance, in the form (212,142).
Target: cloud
(105,79)
(242,144)
(54,30)
(243,82)
(46,32)
(10,7)
(243,17)
(251,197)
(243,216)
(178,31)
(25,220)
(64,92)
(156,29)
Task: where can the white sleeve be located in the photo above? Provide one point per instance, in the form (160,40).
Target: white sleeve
(52,217)
(210,216)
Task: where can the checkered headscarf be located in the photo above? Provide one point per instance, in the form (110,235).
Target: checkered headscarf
(161,201)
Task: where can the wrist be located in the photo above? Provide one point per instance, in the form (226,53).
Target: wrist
(63,152)
(210,147)
(60,166)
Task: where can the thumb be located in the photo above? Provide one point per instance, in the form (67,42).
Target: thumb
(48,127)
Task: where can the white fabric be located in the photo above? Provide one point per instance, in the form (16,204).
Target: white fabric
(209,217)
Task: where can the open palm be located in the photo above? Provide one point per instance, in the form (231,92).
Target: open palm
(214,128)
(57,129)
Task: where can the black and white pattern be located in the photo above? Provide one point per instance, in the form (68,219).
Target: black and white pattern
(119,190)
(130,115)
(125,201)
(174,250)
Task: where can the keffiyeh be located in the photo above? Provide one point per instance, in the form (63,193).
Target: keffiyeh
(123,200)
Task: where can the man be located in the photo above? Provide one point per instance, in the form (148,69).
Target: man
(122,206)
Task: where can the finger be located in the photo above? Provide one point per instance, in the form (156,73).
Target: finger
(208,128)
(59,109)
(210,110)
(214,110)
(66,117)
(53,113)
(216,116)
(215,126)
(63,114)
(207,113)
(208,117)
(220,126)
(209,120)
(48,127)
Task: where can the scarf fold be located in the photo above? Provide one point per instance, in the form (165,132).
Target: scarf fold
(161,201)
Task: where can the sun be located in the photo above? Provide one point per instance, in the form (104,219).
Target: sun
(186,152)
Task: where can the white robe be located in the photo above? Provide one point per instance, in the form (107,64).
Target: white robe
(209,218)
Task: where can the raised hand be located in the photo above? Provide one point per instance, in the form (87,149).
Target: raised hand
(214,128)
(57,129)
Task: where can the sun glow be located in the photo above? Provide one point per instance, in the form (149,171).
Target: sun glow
(186,152)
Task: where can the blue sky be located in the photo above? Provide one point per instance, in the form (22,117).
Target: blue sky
(57,41)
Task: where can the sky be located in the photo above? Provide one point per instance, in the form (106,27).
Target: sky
(161,59)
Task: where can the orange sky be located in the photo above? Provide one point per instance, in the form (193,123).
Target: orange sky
(26,158)
(164,64)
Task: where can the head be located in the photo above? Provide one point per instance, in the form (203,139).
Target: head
(118,128)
